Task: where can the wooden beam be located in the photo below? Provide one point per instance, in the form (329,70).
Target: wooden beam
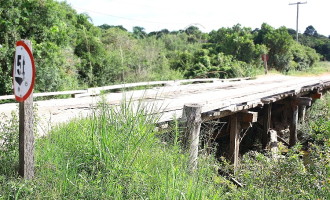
(304,101)
(267,121)
(235,130)
(283,141)
(192,120)
(316,95)
(248,116)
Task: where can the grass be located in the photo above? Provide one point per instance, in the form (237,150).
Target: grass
(318,69)
(118,154)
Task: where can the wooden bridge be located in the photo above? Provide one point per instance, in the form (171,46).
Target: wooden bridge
(240,102)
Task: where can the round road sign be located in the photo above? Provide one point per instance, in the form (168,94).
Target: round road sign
(24,72)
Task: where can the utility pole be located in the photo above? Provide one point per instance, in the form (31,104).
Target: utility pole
(298,3)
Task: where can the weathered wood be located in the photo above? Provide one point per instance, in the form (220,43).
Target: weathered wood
(248,116)
(26,137)
(302,113)
(192,120)
(293,125)
(317,95)
(283,141)
(7,97)
(266,123)
(235,130)
(246,125)
(304,101)
(221,97)
(273,143)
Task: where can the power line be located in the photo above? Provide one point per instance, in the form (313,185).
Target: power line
(126,18)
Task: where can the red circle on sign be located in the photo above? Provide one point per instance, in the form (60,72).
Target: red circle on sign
(30,89)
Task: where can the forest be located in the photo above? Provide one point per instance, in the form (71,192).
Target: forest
(71,53)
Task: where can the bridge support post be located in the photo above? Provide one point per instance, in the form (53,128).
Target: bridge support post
(293,123)
(273,144)
(302,113)
(192,120)
(235,129)
(303,102)
(267,121)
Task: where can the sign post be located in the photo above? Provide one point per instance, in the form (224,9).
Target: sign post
(265,58)
(23,82)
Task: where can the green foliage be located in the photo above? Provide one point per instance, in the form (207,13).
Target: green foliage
(235,41)
(113,154)
(117,154)
(72,53)
(303,57)
(8,145)
(51,26)
(279,43)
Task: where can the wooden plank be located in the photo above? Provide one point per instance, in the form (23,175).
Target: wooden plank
(7,97)
(59,93)
(45,94)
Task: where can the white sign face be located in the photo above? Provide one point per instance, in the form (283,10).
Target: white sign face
(23,72)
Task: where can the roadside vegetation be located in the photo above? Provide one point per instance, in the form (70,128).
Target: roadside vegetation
(71,53)
(120,155)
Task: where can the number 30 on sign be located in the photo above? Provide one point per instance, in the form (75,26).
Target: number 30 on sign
(24,72)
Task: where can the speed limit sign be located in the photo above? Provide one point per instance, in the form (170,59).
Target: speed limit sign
(23,72)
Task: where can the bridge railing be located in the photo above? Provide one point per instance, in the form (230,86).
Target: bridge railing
(97,90)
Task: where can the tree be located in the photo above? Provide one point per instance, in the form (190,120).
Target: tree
(236,41)
(310,31)
(139,32)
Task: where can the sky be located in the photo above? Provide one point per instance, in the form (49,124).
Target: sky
(207,15)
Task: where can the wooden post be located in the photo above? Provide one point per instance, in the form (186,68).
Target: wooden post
(26,137)
(266,67)
(293,125)
(303,102)
(267,121)
(302,113)
(235,130)
(192,121)
(273,143)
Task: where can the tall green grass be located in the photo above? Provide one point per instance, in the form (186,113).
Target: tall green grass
(322,67)
(118,154)
(113,154)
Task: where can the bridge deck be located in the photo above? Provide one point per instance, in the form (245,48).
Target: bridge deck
(217,98)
